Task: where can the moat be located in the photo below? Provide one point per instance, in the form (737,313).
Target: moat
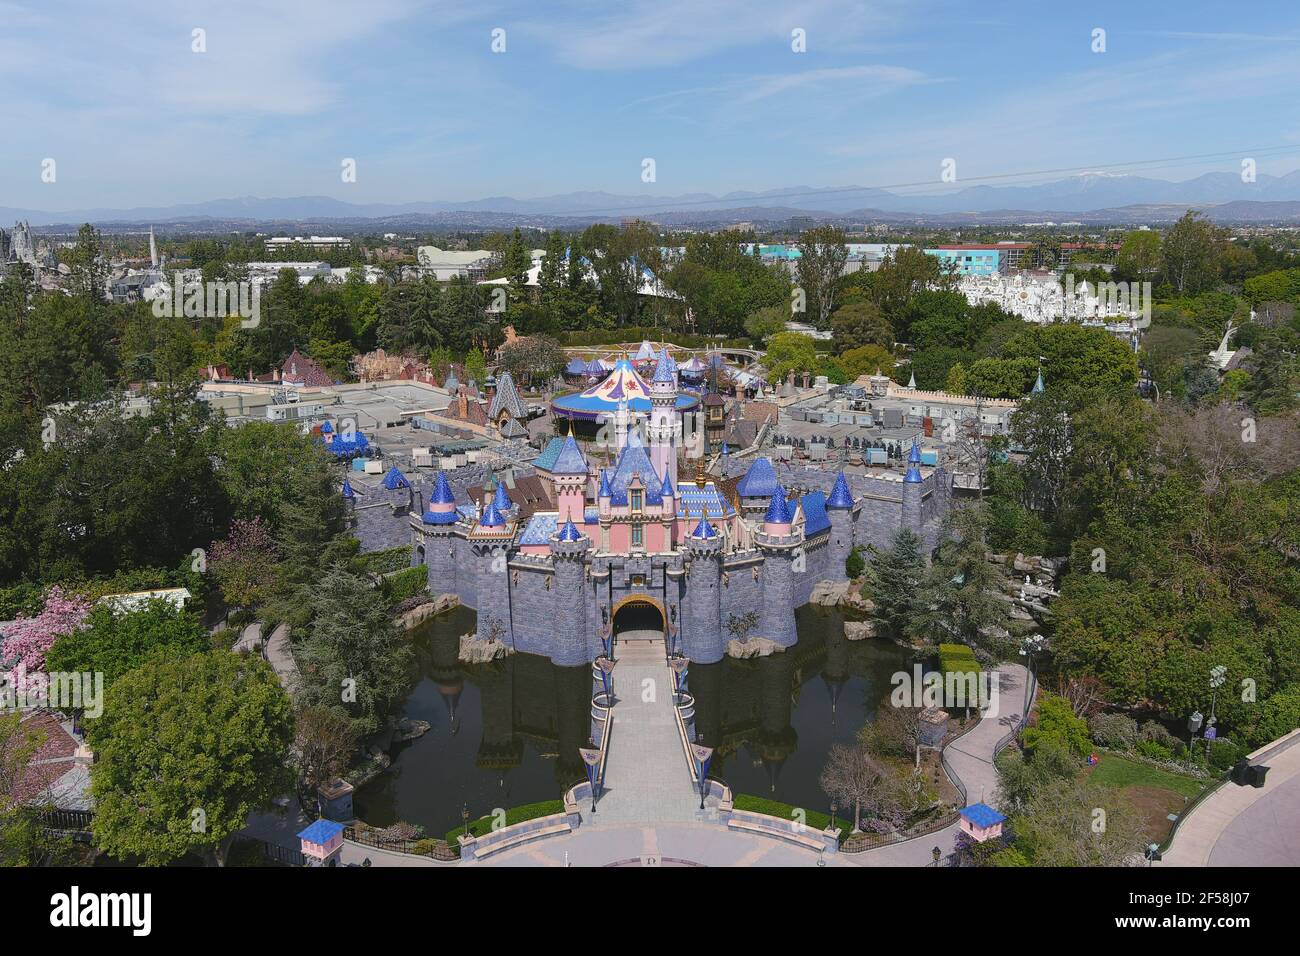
(507,733)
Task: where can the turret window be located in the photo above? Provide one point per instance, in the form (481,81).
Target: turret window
(636,500)
(638,539)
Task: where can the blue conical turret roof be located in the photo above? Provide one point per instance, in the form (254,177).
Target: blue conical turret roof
(442,493)
(1038,383)
(704,529)
(667,490)
(570,460)
(778,512)
(501,498)
(347,489)
(914,456)
(605,490)
(569,532)
(492,517)
(841,496)
(664,371)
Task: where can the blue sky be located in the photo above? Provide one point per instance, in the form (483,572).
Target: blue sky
(710,89)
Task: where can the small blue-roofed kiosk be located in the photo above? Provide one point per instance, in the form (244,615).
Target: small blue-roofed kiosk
(322,842)
(981,822)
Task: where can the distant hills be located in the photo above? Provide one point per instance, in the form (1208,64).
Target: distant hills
(1092,198)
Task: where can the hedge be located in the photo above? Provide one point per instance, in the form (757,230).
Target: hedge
(384,562)
(483,825)
(813,819)
(957,658)
(404,584)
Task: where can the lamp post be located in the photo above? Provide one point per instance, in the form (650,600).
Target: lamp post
(702,757)
(1218,674)
(834,806)
(464,815)
(1028,647)
(1193,725)
(591,762)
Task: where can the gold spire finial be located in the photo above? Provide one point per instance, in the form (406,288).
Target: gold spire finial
(699,473)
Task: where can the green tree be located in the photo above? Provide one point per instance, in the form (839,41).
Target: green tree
(822,255)
(893,576)
(957,600)
(1191,254)
(113,642)
(1138,257)
(790,352)
(185,750)
(764,323)
(1055,721)
(858,324)
(354,660)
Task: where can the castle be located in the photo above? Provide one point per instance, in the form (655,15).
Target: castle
(19,246)
(635,545)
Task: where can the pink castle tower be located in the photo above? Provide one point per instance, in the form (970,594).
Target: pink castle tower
(570,473)
(662,429)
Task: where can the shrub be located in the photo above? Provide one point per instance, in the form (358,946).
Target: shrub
(1156,733)
(1154,749)
(1057,723)
(854,565)
(1225,753)
(404,584)
(1280,715)
(1117,731)
(813,819)
(383,562)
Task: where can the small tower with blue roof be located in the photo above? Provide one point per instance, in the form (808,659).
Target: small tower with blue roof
(701,631)
(441,544)
(569,473)
(566,606)
(782,547)
(842,514)
(913,490)
(491,542)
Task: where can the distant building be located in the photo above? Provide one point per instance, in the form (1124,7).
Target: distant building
(304,371)
(317,243)
(446,264)
(20,246)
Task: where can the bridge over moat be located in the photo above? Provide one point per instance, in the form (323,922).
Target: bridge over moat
(647,772)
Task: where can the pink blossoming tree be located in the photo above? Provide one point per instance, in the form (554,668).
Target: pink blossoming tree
(27,639)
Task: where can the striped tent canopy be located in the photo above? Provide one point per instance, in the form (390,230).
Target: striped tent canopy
(623,383)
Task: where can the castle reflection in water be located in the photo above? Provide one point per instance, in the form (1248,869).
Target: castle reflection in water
(507,733)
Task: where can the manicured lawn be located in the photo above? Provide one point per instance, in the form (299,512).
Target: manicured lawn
(1120,772)
(1154,792)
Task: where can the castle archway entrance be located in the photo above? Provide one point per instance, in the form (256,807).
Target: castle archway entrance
(639,619)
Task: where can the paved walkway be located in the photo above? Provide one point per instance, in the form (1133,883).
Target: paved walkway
(282,828)
(1245,826)
(647,777)
(281,659)
(971,759)
(606,840)
(673,844)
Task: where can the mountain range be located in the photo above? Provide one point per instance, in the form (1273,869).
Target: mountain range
(1087,197)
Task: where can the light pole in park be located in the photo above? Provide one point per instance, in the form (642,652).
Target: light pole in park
(1218,674)
(1028,648)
